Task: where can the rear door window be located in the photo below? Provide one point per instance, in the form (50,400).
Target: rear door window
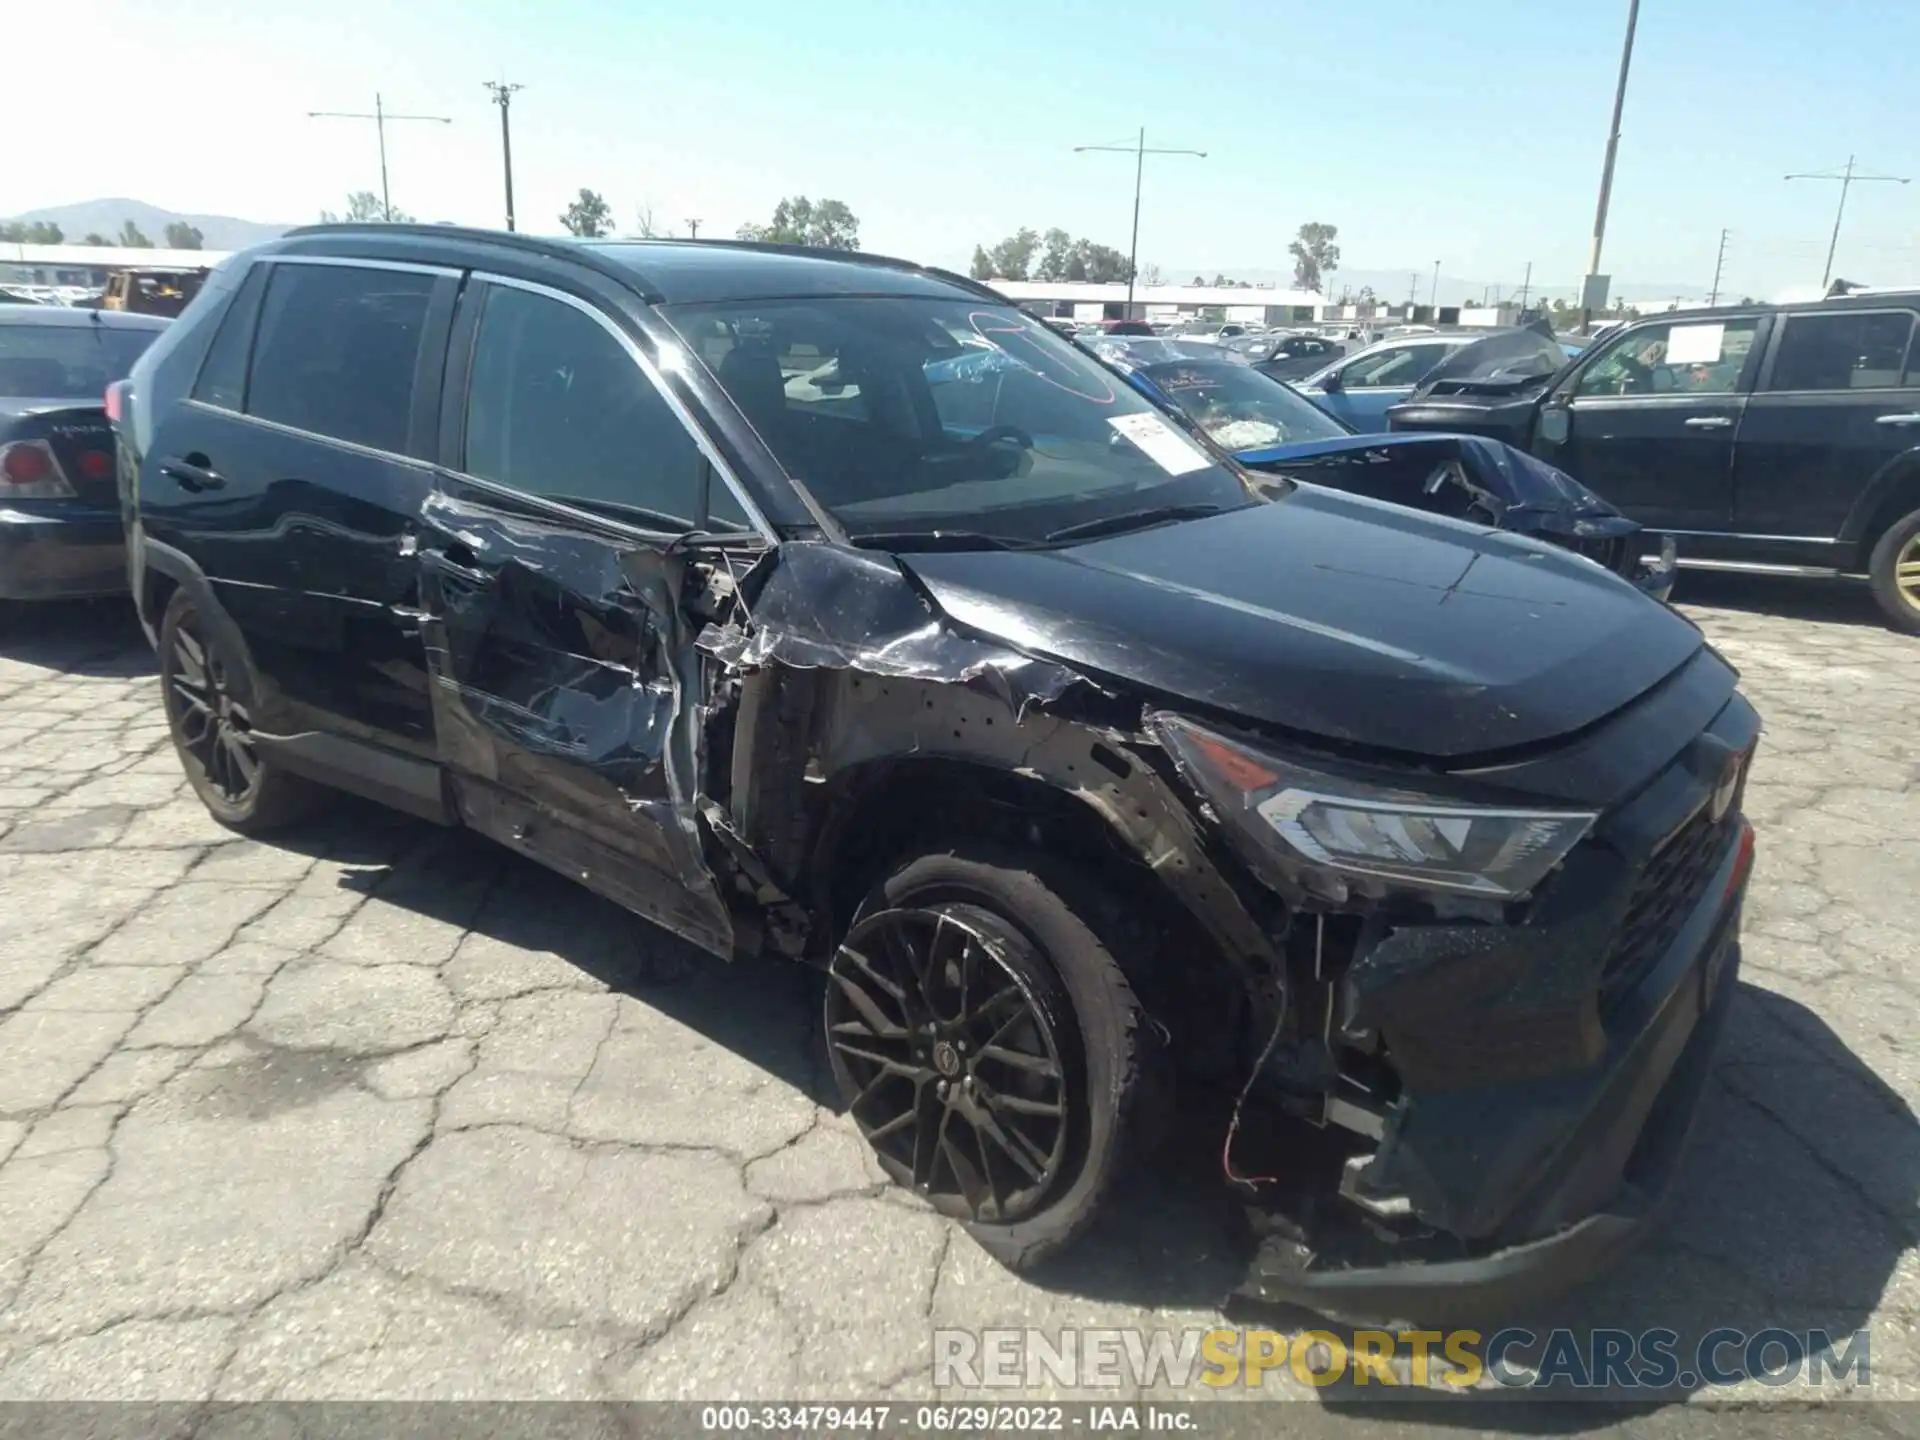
(223,375)
(336,351)
(1397,365)
(557,407)
(1843,352)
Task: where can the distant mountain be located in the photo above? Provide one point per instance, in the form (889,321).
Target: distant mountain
(105,217)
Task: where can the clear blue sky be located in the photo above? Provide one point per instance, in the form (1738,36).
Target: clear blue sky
(1468,133)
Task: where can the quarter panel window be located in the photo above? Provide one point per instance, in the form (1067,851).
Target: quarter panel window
(336,351)
(557,407)
(223,377)
(1842,352)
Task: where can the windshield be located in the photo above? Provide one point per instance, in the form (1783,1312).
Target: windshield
(66,362)
(907,414)
(1241,408)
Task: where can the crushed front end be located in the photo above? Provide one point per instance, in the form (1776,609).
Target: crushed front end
(1500,1009)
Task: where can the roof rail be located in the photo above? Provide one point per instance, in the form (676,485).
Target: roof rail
(816,252)
(506,239)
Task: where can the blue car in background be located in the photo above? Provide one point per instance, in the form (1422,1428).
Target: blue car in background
(1271,428)
(1360,388)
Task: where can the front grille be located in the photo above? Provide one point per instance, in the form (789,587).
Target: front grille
(1616,552)
(1670,887)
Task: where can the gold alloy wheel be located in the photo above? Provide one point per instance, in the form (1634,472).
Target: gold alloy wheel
(1906,572)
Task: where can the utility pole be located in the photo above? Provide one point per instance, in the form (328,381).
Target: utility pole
(1588,291)
(1526,285)
(1719,261)
(1848,178)
(693,229)
(503,97)
(1139,151)
(1433,295)
(380,117)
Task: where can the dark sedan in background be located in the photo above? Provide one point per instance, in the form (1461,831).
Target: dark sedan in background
(60,528)
(1271,427)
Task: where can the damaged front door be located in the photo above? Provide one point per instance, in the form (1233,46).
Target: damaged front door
(564,672)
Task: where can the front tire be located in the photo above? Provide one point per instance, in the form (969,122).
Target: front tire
(208,694)
(988,1043)
(1895,571)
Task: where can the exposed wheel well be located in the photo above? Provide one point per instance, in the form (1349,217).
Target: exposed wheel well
(887,811)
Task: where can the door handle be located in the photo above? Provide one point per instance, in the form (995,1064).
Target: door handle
(1708,422)
(1898,420)
(193,472)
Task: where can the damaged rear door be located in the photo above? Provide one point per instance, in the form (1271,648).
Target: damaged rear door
(566,686)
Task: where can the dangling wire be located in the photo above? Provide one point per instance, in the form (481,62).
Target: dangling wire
(1253,1182)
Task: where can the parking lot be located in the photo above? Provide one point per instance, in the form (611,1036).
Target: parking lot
(380,1111)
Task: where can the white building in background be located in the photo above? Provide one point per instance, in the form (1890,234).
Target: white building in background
(89,265)
(1081,300)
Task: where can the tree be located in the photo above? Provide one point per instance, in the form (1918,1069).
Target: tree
(1365,295)
(1013,257)
(364,208)
(982,266)
(131,237)
(1315,256)
(830,225)
(643,222)
(1102,263)
(1055,257)
(182,236)
(588,216)
(1219,281)
(40,232)
(94,237)
(1199,280)
(1150,275)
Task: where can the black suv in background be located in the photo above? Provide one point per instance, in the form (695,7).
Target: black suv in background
(828,607)
(1781,438)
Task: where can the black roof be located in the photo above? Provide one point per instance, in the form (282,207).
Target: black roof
(78,319)
(691,271)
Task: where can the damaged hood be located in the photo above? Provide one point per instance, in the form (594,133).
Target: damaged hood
(1333,616)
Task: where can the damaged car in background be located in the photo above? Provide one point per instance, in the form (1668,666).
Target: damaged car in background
(1270,427)
(828,608)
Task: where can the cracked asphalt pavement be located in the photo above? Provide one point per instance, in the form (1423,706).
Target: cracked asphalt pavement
(380,1111)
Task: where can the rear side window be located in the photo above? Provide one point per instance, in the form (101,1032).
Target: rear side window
(223,378)
(336,351)
(1843,352)
(557,407)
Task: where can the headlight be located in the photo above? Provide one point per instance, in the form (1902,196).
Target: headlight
(1334,837)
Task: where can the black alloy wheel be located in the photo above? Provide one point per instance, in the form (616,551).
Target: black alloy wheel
(951,1063)
(213,728)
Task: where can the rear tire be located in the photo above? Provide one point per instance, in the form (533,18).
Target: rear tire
(208,694)
(1895,571)
(1066,1047)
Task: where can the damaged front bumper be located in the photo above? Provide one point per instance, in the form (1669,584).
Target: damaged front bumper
(1591,1188)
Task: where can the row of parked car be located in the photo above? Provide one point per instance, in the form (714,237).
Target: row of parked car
(1109,729)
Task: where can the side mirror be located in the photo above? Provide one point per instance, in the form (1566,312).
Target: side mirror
(1333,382)
(1556,424)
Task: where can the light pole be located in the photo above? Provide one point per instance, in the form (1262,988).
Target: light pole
(1433,295)
(1848,178)
(503,97)
(1589,291)
(380,117)
(1139,151)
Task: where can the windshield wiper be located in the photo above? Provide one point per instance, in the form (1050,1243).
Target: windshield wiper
(1134,520)
(937,540)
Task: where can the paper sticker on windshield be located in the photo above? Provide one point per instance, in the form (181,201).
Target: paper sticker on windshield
(1163,444)
(1695,344)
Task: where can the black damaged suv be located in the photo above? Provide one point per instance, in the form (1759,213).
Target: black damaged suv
(730,580)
